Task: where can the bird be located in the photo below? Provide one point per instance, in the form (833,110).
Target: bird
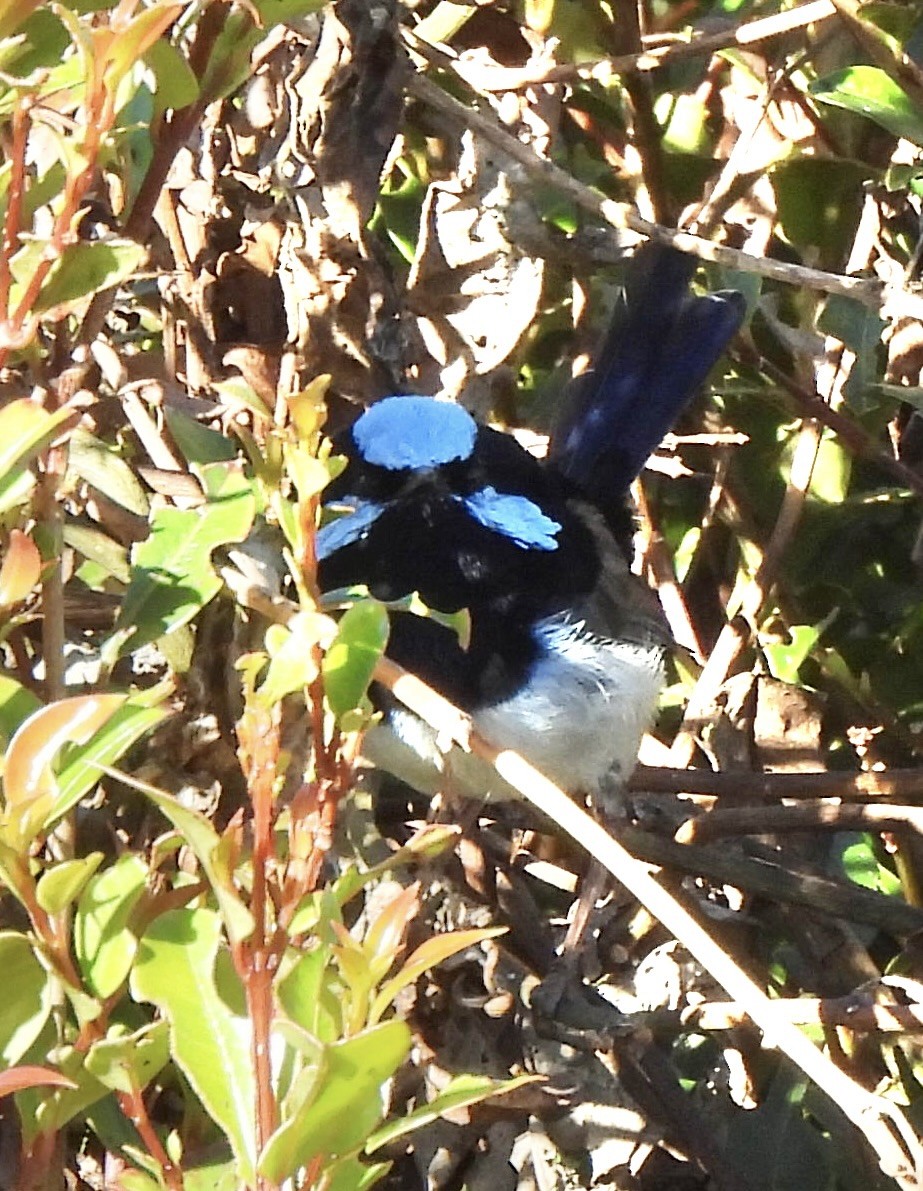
(563,655)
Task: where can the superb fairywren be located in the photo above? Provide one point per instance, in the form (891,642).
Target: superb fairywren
(564,662)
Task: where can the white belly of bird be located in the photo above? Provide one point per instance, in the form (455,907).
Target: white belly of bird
(579,720)
(582,714)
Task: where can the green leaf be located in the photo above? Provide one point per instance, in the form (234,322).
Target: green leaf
(60,886)
(135,38)
(172,572)
(26,429)
(103,943)
(15,489)
(80,770)
(176,85)
(862,866)
(205,842)
(350,661)
(305,995)
(104,468)
(86,268)
(221,1176)
(30,786)
(861,329)
(430,952)
(127,1062)
(98,548)
(14,870)
(199,444)
(352,1174)
(302,1068)
(54,1110)
(176,970)
(27,997)
(819,200)
(832,470)
(785,658)
(137,1180)
(17,703)
(460,1092)
(291,650)
(872,92)
(347,1105)
(399,213)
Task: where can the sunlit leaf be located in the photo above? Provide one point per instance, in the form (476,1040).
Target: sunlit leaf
(127,1062)
(52,1111)
(130,40)
(205,842)
(14,13)
(872,92)
(27,996)
(103,943)
(832,471)
(176,83)
(85,268)
(60,886)
(306,996)
(308,408)
(172,572)
(352,1174)
(104,468)
(25,429)
(17,1079)
(292,654)
(384,937)
(460,1092)
(348,1103)
(81,767)
(28,773)
(176,970)
(22,565)
(863,866)
(430,953)
(99,549)
(350,661)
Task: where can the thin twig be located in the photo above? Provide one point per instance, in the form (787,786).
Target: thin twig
(807,816)
(902,785)
(845,1012)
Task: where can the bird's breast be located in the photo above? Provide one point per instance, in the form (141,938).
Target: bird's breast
(587,701)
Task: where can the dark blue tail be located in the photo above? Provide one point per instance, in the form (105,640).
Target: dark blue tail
(662,343)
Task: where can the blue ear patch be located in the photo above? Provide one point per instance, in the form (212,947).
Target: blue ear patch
(517,517)
(347,529)
(407,433)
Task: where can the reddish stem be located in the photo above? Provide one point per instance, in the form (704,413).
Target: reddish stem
(133,1106)
(257,959)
